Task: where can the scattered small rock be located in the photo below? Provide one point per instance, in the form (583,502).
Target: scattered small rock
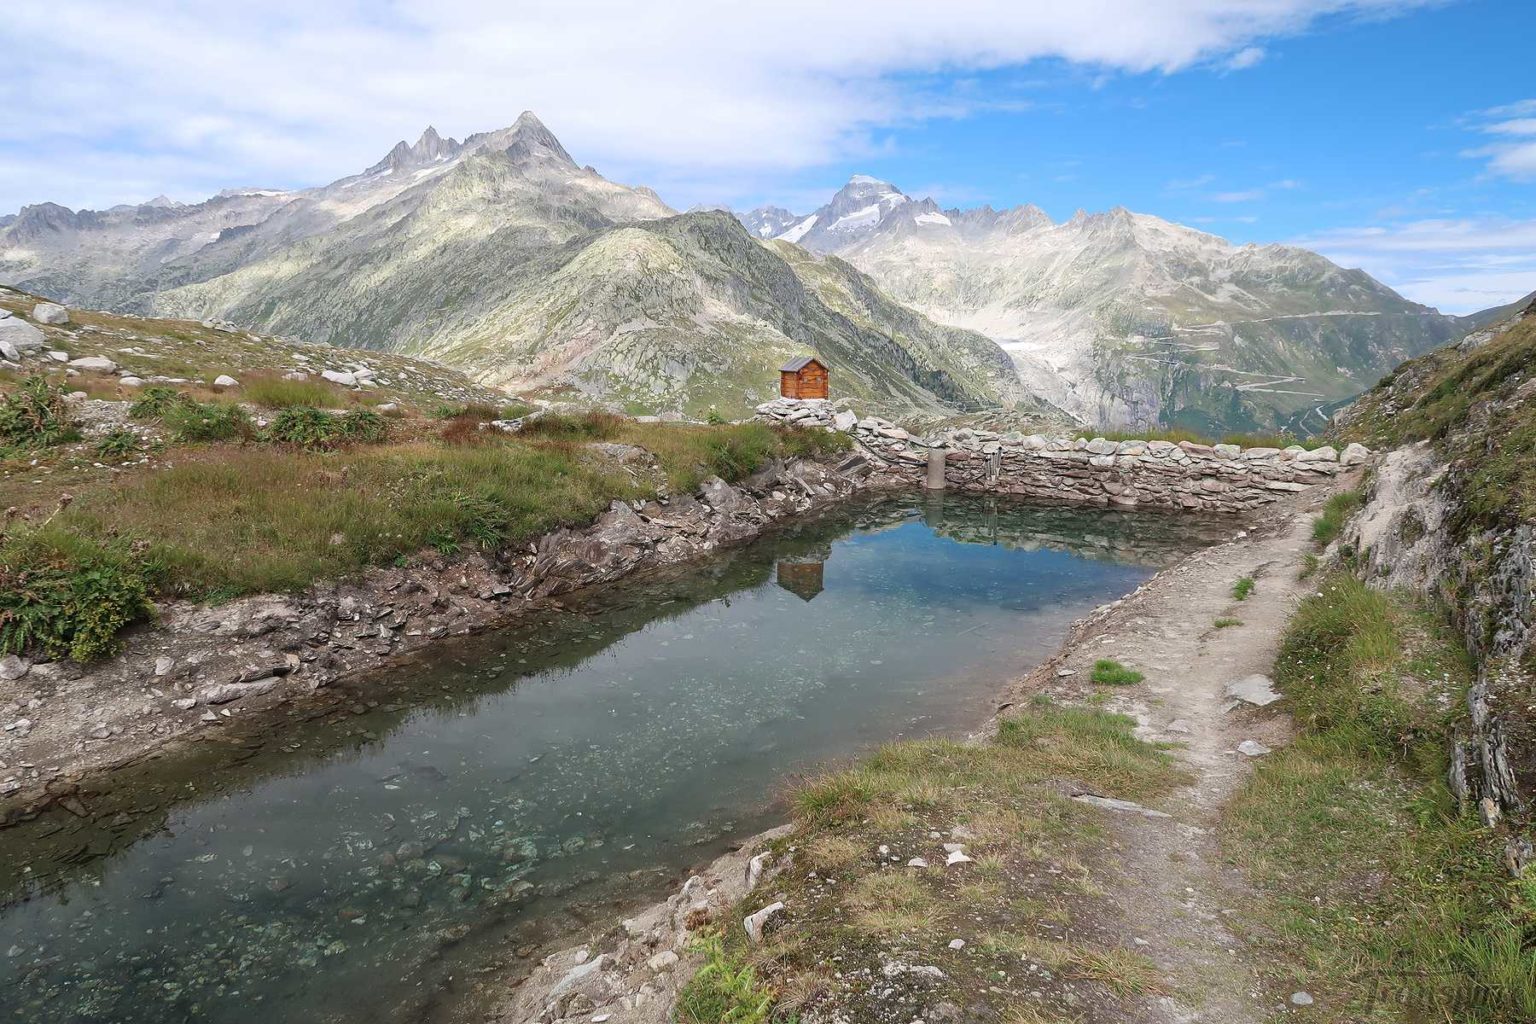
(1252,748)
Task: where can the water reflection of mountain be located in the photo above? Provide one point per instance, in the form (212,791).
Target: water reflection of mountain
(1141,538)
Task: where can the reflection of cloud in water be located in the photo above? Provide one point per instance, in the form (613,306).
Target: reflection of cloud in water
(605,740)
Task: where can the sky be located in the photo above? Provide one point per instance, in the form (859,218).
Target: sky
(1398,136)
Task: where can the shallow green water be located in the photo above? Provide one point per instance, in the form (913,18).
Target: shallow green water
(505,791)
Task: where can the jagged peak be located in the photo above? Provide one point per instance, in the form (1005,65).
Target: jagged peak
(527,138)
(429,148)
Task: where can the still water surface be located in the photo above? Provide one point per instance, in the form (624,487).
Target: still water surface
(506,791)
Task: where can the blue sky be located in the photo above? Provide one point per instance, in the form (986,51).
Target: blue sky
(1395,135)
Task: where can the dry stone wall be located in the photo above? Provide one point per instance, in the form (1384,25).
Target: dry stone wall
(1182,476)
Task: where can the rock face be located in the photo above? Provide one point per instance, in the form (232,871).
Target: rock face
(1448,514)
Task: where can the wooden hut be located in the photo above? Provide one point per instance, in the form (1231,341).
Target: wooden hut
(803,377)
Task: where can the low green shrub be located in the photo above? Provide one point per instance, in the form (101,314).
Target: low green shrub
(36,414)
(1227,623)
(308,427)
(205,421)
(154,401)
(118,444)
(1242,588)
(725,990)
(1112,673)
(66,596)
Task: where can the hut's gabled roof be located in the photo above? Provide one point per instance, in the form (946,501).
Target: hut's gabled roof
(801,362)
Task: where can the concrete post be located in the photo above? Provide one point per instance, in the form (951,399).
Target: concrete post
(935,481)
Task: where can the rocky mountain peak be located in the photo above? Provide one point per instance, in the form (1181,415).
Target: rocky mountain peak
(527,140)
(430,148)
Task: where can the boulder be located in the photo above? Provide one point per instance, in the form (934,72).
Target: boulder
(845,421)
(754,923)
(50,313)
(101,364)
(21,335)
(1354,454)
(340,377)
(1327,453)
(224,380)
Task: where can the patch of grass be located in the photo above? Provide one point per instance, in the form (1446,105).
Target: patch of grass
(1226,623)
(274,392)
(64,596)
(480,411)
(1336,512)
(1309,565)
(35,415)
(250,519)
(1381,891)
(725,989)
(205,421)
(1122,971)
(1242,588)
(1028,846)
(1112,673)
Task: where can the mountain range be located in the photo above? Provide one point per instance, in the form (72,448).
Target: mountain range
(502,256)
(1122,317)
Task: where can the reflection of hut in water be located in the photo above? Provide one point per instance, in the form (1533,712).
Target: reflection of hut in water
(801,574)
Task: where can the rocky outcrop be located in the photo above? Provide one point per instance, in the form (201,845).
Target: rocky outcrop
(633,974)
(1405,537)
(197,664)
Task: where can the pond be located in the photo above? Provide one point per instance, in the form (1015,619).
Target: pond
(358,861)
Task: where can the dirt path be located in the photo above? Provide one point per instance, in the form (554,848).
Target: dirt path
(1176,896)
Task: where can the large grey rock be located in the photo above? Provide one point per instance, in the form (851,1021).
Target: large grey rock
(227,692)
(13,668)
(1354,454)
(99,363)
(339,377)
(21,335)
(50,313)
(1255,689)
(755,922)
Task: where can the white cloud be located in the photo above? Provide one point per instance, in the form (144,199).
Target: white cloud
(1455,265)
(1247,57)
(1508,157)
(295,92)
